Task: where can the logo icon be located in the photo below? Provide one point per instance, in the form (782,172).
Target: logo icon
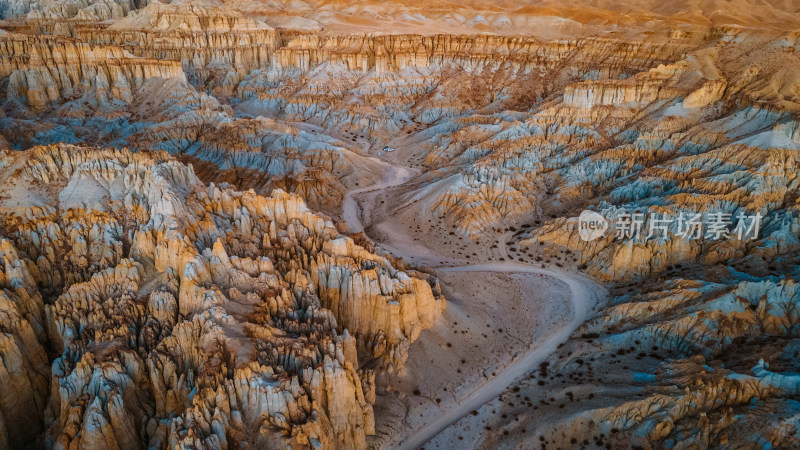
(591,225)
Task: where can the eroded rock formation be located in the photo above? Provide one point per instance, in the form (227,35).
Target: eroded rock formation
(182,293)
(23,361)
(680,363)
(183,314)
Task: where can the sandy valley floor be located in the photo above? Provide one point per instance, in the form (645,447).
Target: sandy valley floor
(500,314)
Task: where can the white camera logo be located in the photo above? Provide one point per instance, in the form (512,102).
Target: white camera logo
(591,225)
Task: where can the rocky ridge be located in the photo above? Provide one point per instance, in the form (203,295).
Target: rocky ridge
(182,314)
(696,347)
(122,81)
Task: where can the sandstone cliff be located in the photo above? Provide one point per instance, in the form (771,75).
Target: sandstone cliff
(42,70)
(216,46)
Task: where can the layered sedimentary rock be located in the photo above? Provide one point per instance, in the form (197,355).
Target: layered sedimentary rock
(688,365)
(23,361)
(185,314)
(498,168)
(216,46)
(43,70)
(546,19)
(83,10)
(149,104)
(696,346)
(419,79)
(120,84)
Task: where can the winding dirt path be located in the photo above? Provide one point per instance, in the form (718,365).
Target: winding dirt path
(392,176)
(585,294)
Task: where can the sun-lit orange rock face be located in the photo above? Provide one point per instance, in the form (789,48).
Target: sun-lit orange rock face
(171,275)
(167,301)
